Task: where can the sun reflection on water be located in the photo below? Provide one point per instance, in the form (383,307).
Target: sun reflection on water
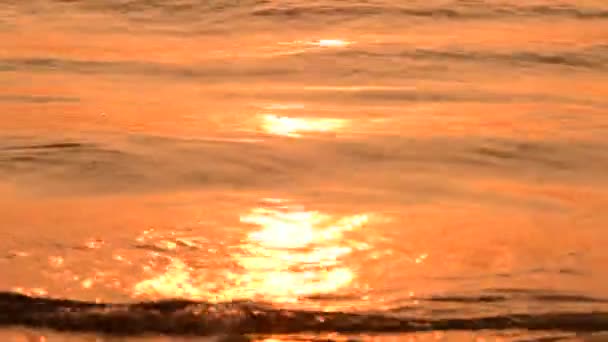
(295,127)
(297,253)
(290,254)
(333,43)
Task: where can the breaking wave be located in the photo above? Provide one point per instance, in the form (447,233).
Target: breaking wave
(179,317)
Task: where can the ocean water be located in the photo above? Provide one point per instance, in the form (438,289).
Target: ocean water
(290,170)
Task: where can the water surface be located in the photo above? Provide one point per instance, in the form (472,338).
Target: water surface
(303,170)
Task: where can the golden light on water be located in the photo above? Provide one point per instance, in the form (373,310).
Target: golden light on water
(326,43)
(295,127)
(176,281)
(333,43)
(290,254)
(300,46)
(297,253)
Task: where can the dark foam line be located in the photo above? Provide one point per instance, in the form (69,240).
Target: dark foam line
(194,318)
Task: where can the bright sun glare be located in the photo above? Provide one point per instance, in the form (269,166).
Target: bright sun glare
(295,127)
(332,43)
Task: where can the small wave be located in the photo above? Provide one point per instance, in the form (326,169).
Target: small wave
(457,12)
(58,145)
(36,99)
(88,67)
(178,317)
(591,58)
(67,160)
(541,297)
(207,11)
(566,59)
(584,13)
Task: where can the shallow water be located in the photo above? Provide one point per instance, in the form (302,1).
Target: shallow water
(303,170)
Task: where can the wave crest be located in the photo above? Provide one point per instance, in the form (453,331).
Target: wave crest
(178,317)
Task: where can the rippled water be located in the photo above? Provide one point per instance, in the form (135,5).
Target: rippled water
(297,170)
